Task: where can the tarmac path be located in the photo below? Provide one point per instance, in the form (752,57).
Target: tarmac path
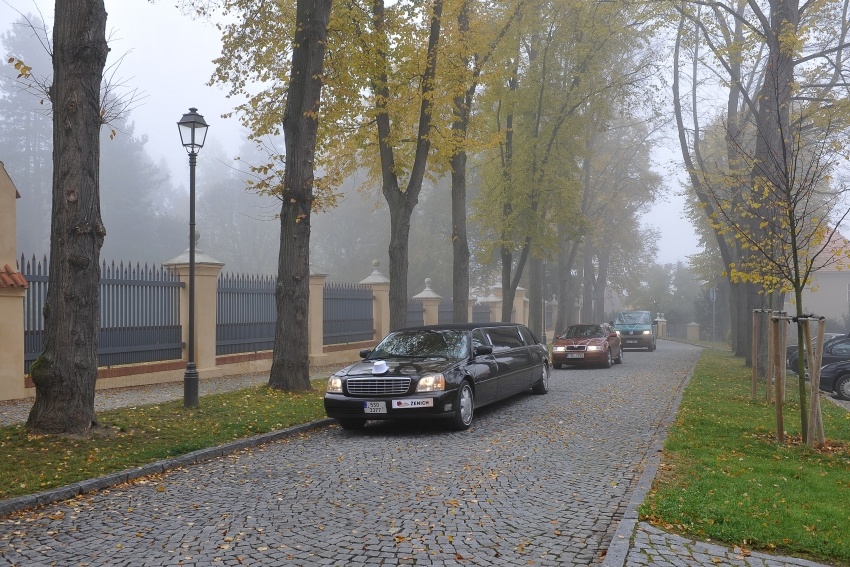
(537,480)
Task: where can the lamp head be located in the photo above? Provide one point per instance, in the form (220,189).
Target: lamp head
(193,131)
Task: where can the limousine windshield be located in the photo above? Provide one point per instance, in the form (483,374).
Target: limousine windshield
(450,344)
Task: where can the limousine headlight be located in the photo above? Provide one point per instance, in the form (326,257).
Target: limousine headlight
(334,385)
(431,383)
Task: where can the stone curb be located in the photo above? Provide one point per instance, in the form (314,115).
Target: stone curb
(20,503)
(621,542)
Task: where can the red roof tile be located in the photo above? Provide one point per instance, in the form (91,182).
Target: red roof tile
(12,278)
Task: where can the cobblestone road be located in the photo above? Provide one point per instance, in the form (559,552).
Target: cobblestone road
(537,480)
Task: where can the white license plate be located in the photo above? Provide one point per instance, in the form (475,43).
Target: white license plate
(374,407)
(575,355)
(423,403)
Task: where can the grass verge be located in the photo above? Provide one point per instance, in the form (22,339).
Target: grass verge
(131,437)
(724,478)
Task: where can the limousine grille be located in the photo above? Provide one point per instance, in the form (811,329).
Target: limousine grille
(378,386)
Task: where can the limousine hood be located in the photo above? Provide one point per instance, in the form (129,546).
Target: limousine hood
(398,366)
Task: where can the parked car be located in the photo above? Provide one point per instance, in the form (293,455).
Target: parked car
(595,344)
(445,371)
(791,350)
(835,377)
(636,329)
(834,350)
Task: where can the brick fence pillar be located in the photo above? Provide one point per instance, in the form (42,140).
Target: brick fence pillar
(207,270)
(316,319)
(430,304)
(380,285)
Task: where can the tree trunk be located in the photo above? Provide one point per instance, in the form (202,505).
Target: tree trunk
(566,295)
(535,298)
(774,145)
(66,372)
(460,241)
(604,259)
(400,212)
(291,357)
(402,203)
(588,286)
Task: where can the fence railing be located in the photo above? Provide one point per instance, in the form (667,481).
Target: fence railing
(245,313)
(415,313)
(139,313)
(347,314)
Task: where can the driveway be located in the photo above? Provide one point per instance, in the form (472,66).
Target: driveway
(537,480)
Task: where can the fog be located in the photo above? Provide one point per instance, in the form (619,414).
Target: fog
(144,179)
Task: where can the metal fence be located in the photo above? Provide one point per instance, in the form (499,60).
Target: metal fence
(245,313)
(415,313)
(445,313)
(139,313)
(347,314)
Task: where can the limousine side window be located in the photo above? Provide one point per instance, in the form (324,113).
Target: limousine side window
(528,336)
(504,337)
(478,339)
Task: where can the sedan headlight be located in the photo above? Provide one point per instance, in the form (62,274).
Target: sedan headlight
(559,348)
(431,383)
(334,385)
(647,332)
(594,347)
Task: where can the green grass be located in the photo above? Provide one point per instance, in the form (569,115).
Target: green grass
(131,437)
(725,478)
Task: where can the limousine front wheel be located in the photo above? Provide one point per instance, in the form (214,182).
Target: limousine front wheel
(464,407)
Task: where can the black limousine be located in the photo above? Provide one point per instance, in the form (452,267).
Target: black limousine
(444,371)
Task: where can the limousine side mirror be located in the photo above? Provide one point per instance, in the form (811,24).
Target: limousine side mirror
(365,352)
(483,349)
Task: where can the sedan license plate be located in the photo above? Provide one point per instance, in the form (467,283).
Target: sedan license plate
(374,407)
(575,355)
(631,341)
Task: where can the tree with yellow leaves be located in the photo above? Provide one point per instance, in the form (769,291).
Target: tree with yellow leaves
(769,192)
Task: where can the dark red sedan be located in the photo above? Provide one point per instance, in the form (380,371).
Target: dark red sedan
(596,344)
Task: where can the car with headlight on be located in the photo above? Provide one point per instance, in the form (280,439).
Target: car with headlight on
(636,329)
(594,344)
(438,371)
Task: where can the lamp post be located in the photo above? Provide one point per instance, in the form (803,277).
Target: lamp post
(193,132)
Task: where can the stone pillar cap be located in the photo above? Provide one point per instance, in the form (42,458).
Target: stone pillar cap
(376,277)
(427,293)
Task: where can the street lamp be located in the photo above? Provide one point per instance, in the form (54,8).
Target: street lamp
(193,132)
